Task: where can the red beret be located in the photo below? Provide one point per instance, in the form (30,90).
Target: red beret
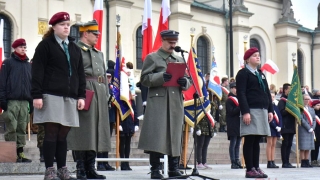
(18,42)
(315,102)
(249,52)
(59,17)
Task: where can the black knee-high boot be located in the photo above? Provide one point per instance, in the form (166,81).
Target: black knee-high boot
(80,157)
(90,162)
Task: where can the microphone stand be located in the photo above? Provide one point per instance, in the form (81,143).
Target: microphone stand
(195,171)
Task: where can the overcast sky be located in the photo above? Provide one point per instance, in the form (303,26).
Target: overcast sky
(306,12)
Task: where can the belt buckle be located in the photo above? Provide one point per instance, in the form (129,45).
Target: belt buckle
(100,79)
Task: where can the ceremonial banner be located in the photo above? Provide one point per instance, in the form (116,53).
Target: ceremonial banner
(98,15)
(214,80)
(199,84)
(163,23)
(294,103)
(147,29)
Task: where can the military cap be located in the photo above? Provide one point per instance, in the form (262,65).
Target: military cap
(59,17)
(18,42)
(232,85)
(169,35)
(90,26)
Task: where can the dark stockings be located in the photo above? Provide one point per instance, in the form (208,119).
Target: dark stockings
(251,151)
(55,144)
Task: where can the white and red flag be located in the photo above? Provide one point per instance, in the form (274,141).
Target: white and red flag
(147,29)
(270,67)
(163,23)
(98,16)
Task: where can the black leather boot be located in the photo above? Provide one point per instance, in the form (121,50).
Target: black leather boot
(91,171)
(128,167)
(234,165)
(155,165)
(79,157)
(303,163)
(123,166)
(274,164)
(270,165)
(238,163)
(41,154)
(174,168)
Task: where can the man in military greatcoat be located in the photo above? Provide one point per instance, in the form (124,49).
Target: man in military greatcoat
(163,119)
(93,135)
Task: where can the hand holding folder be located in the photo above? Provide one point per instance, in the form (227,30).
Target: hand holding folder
(177,70)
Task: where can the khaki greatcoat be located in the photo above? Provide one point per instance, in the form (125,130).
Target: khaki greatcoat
(163,119)
(94,132)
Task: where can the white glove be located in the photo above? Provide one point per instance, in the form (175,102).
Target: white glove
(220,107)
(191,130)
(198,132)
(136,128)
(310,130)
(144,103)
(214,134)
(120,128)
(278,128)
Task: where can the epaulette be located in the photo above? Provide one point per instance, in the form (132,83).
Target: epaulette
(84,48)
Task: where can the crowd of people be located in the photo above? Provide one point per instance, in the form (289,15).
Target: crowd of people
(55,86)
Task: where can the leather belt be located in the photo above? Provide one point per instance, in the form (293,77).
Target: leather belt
(99,79)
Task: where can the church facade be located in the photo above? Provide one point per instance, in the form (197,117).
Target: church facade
(268,25)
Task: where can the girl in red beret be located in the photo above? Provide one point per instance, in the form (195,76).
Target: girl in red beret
(58,90)
(256,110)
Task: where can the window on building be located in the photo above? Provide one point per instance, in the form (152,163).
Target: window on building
(300,67)
(74,32)
(7,32)
(139,48)
(202,53)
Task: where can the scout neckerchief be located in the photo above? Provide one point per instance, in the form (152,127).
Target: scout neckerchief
(255,71)
(235,100)
(308,115)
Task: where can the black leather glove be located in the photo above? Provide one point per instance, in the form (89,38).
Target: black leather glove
(4,105)
(166,77)
(182,82)
(31,108)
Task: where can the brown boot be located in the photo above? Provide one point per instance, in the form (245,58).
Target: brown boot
(51,174)
(64,174)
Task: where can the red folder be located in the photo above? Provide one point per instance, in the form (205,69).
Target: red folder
(89,96)
(177,70)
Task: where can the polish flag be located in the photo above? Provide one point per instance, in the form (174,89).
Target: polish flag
(147,29)
(163,23)
(270,66)
(98,15)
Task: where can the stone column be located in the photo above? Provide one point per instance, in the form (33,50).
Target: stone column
(180,20)
(241,28)
(316,61)
(286,44)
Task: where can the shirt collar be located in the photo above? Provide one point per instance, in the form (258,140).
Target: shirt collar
(59,40)
(251,69)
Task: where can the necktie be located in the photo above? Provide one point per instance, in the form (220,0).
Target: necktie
(260,81)
(65,47)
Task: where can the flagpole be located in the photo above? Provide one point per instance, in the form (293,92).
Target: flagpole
(118,112)
(297,133)
(243,139)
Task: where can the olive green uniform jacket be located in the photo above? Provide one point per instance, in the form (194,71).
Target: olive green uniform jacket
(94,132)
(163,119)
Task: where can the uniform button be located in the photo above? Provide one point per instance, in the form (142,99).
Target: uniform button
(156,94)
(96,63)
(98,69)
(93,56)
(173,92)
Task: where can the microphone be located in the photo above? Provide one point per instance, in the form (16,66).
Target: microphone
(178,49)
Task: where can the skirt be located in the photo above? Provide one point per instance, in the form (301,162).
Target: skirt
(57,109)
(259,124)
